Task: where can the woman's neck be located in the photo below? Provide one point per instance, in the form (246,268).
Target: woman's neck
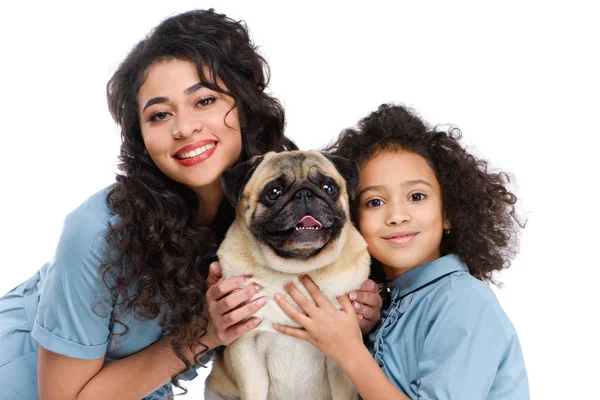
(210,197)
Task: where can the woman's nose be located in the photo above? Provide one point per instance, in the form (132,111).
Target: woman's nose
(185,124)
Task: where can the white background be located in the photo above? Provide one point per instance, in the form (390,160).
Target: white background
(521,79)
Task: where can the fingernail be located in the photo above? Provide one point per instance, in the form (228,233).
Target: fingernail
(353,296)
(356,305)
(278,296)
(257,321)
(258,288)
(261,301)
(360,317)
(276,326)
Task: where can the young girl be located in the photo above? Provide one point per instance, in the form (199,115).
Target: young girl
(438,224)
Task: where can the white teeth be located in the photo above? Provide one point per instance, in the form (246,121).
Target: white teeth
(311,228)
(196,152)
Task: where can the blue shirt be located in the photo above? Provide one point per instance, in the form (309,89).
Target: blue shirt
(445,336)
(69,306)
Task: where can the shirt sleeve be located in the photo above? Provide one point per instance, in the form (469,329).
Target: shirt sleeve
(462,350)
(74,311)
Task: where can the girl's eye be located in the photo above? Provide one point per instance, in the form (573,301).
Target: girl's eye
(159,116)
(206,101)
(417,197)
(374,203)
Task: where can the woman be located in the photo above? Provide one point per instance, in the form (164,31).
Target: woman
(121,310)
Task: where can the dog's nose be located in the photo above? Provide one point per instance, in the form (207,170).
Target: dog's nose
(303,193)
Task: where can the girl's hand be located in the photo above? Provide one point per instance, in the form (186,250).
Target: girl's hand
(334,332)
(367,303)
(228,305)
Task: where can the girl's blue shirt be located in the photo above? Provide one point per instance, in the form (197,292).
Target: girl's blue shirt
(445,336)
(66,307)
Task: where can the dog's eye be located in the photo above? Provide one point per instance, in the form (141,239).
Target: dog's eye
(329,188)
(274,193)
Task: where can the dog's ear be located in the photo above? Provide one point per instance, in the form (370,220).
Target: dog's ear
(235,178)
(349,170)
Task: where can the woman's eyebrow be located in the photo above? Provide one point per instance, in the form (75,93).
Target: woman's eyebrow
(155,100)
(161,99)
(193,88)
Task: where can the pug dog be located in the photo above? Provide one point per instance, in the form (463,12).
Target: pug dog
(292,218)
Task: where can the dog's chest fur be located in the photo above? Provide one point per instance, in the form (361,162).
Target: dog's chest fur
(344,275)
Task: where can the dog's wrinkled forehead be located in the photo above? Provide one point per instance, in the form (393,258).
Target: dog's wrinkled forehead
(294,166)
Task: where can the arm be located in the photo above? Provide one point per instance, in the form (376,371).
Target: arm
(335,333)
(140,374)
(133,377)
(73,325)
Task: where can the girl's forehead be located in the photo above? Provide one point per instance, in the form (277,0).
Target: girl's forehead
(396,166)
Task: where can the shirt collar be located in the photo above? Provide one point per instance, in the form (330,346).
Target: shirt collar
(422,275)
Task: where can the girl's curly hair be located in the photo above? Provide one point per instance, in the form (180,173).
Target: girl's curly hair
(155,249)
(477,201)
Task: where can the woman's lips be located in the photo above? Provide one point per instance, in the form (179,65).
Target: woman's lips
(204,148)
(401,238)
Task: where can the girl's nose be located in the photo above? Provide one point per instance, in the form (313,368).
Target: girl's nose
(397,214)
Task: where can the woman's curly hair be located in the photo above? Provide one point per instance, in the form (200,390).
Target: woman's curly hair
(477,202)
(155,249)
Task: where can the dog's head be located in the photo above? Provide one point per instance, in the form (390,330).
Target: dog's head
(295,205)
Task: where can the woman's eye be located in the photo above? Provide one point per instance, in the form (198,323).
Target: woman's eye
(374,203)
(159,116)
(417,197)
(329,189)
(274,193)
(206,101)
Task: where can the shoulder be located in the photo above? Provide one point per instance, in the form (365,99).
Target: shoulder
(82,242)
(93,210)
(468,300)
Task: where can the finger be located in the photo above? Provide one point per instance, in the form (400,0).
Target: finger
(215,272)
(369,286)
(236,298)
(305,304)
(291,312)
(346,304)
(295,332)
(224,287)
(238,330)
(369,313)
(369,299)
(241,313)
(315,292)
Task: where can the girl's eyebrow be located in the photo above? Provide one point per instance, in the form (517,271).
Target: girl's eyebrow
(158,100)
(405,183)
(416,182)
(375,188)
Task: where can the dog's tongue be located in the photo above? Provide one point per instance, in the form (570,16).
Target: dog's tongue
(308,222)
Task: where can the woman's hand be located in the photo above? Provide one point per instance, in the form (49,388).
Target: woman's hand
(228,305)
(334,332)
(367,303)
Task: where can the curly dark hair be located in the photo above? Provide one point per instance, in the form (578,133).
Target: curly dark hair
(157,245)
(477,202)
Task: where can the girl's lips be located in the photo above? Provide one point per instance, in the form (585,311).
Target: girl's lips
(401,238)
(190,162)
